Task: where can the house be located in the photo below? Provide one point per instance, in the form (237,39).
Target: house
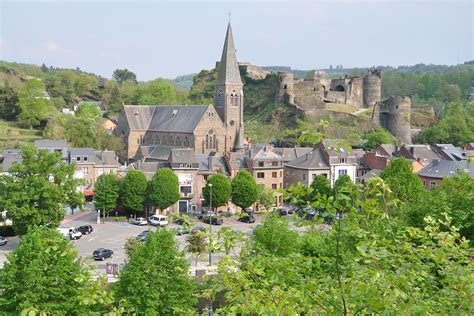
(9,157)
(84,160)
(433,174)
(108,125)
(340,159)
(421,155)
(449,152)
(306,167)
(53,146)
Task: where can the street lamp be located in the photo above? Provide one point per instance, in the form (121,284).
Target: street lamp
(210,224)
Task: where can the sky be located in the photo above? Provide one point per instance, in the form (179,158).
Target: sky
(171,38)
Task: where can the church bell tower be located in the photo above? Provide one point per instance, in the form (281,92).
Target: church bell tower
(229,95)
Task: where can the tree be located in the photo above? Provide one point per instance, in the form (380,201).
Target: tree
(38,189)
(322,186)
(402,180)
(229,239)
(133,191)
(106,193)
(32,103)
(167,288)
(8,102)
(89,111)
(44,272)
(221,190)
(275,237)
(265,197)
(122,75)
(377,137)
(244,189)
(196,244)
(164,189)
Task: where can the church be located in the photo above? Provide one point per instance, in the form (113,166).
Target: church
(151,132)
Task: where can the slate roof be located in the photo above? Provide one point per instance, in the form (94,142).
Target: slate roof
(266,152)
(10,156)
(165,118)
(312,160)
(388,148)
(422,153)
(106,157)
(371,174)
(160,152)
(336,148)
(48,143)
(182,155)
(148,168)
(236,160)
(288,154)
(449,151)
(218,163)
(444,168)
(228,68)
(88,152)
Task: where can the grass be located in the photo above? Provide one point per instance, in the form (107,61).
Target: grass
(11,133)
(341,107)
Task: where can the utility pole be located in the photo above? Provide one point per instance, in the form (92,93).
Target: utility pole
(210,225)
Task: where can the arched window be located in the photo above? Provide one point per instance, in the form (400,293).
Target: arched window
(234,99)
(214,141)
(220,98)
(207,141)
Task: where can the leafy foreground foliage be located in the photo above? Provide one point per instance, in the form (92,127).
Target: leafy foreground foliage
(156,280)
(369,262)
(38,189)
(44,272)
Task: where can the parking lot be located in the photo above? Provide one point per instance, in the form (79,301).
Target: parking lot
(113,235)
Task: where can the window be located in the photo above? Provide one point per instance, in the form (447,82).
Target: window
(304,177)
(275,163)
(342,160)
(281,185)
(342,172)
(313,176)
(274,186)
(281,174)
(432,184)
(220,98)
(185,190)
(261,164)
(207,141)
(260,175)
(85,158)
(424,184)
(78,158)
(274,174)
(325,175)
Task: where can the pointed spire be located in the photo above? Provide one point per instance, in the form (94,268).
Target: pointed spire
(239,141)
(229,69)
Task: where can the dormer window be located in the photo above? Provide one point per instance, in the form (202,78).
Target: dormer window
(78,158)
(342,160)
(85,158)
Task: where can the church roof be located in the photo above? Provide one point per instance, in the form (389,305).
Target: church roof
(165,118)
(228,69)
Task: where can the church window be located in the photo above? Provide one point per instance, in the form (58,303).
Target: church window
(214,141)
(220,98)
(207,141)
(234,99)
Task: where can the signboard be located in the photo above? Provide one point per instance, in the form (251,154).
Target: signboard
(185,179)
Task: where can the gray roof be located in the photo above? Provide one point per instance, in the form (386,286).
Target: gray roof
(422,153)
(161,152)
(337,147)
(48,143)
(165,118)
(389,149)
(182,155)
(228,68)
(371,174)
(288,154)
(312,160)
(148,168)
(83,152)
(237,160)
(445,168)
(10,156)
(106,157)
(218,163)
(239,142)
(450,151)
(266,152)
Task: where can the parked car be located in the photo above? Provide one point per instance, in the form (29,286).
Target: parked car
(181,230)
(213,219)
(140,221)
(247,219)
(70,233)
(249,211)
(158,220)
(102,254)
(3,241)
(281,212)
(143,235)
(85,229)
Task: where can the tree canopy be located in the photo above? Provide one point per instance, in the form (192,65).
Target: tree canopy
(244,189)
(133,191)
(122,75)
(106,192)
(221,190)
(38,189)
(164,189)
(156,278)
(33,106)
(89,111)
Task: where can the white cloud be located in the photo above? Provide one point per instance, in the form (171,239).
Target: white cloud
(52,46)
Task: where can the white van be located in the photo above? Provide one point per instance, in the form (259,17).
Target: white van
(158,220)
(70,233)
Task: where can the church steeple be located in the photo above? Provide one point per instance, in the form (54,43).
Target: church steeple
(229,93)
(228,69)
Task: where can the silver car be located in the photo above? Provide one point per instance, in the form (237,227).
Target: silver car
(3,241)
(140,221)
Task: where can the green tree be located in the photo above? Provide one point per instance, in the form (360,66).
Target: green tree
(275,237)
(106,193)
(32,104)
(133,191)
(266,197)
(322,186)
(377,137)
(8,101)
(403,181)
(196,244)
(229,239)
(167,288)
(221,190)
(45,273)
(244,189)
(122,75)
(164,189)
(89,111)
(38,189)
(449,93)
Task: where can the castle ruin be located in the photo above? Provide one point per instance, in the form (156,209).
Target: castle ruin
(393,114)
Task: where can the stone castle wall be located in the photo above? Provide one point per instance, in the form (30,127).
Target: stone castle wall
(393,114)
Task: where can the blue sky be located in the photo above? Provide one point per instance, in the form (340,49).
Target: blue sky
(167,39)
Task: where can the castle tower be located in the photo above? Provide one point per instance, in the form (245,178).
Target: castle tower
(393,114)
(372,87)
(229,93)
(285,87)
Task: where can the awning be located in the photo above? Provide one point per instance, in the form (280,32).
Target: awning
(88,192)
